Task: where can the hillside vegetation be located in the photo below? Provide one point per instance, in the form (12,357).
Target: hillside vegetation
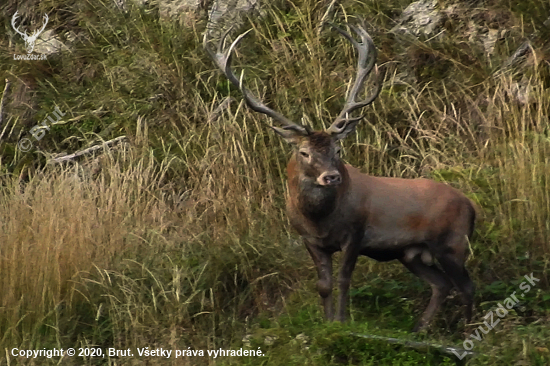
(177,238)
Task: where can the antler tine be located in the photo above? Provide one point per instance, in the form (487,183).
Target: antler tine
(46,18)
(365,63)
(13,19)
(223,60)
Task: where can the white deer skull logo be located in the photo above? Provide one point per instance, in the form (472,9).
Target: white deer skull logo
(29,40)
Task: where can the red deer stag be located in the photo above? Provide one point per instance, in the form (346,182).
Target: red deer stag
(335,207)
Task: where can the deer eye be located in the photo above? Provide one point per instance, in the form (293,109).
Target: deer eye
(338,151)
(304,154)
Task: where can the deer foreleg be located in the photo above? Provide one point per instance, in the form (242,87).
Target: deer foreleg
(323,262)
(344,280)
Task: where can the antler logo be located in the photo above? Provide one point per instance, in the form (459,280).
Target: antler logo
(29,40)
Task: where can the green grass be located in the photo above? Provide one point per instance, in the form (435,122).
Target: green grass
(179,238)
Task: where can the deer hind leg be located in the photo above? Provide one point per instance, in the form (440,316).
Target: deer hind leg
(323,263)
(452,262)
(439,282)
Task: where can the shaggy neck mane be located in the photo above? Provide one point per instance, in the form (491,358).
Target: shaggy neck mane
(312,200)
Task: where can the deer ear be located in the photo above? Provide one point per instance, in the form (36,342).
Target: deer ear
(292,134)
(340,133)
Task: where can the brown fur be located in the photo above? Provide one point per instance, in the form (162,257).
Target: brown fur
(417,222)
(320,141)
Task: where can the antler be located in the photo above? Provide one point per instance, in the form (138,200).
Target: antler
(223,60)
(365,63)
(13,19)
(36,33)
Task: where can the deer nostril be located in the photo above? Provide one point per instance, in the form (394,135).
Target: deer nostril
(332,179)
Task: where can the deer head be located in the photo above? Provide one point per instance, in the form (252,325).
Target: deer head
(29,40)
(316,152)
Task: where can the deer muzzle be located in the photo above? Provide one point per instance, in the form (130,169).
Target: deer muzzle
(330,178)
